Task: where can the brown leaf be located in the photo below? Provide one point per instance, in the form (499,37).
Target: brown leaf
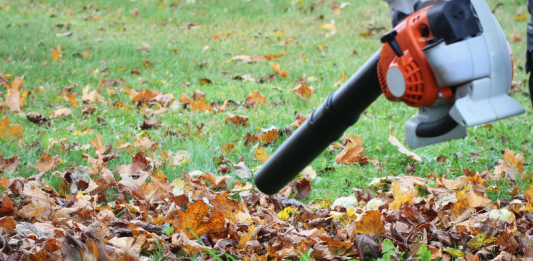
(300,119)
(304,188)
(8,223)
(56,54)
(38,119)
(237,120)
(303,91)
(47,162)
(370,222)
(8,165)
(139,163)
(217,182)
(205,81)
(150,122)
(227,148)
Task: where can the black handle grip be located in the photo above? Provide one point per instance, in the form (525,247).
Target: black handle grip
(325,125)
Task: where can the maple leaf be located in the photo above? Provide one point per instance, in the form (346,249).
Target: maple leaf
(402,194)
(192,220)
(91,97)
(227,149)
(217,182)
(47,162)
(101,185)
(13,99)
(255,98)
(371,222)
(8,131)
(200,105)
(261,155)
(303,91)
(184,98)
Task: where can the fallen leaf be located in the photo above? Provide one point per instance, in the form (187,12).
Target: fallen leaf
(402,149)
(237,120)
(255,99)
(303,91)
(56,54)
(261,155)
(61,113)
(200,105)
(13,96)
(370,222)
(278,70)
(8,131)
(47,162)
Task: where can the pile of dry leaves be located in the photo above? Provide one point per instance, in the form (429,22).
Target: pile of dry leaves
(202,214)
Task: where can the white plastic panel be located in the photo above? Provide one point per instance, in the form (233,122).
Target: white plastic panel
(460,62)
(406,6)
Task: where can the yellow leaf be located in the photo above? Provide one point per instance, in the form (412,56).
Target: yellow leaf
(402,195)
(520,17)
(261,155)
(370,222)
(286,213)
(81,195)
(480,240)
(328,27)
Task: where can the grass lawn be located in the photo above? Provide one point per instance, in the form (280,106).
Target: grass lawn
(108,39)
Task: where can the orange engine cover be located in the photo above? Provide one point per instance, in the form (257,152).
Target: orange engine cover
(421,89)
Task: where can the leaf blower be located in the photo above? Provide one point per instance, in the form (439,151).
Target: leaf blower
(450,59)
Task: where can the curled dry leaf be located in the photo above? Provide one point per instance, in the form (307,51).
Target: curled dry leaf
(227,148)
(300,119)
(402,148)
(61,113)
(72,100)
(150,122)
(352,152)
(237,120)
(91,97)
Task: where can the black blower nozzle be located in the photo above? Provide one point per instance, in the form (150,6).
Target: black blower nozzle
(325,125)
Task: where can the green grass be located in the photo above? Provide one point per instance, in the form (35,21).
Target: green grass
(28,36)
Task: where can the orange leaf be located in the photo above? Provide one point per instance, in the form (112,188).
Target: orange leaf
(353,152)
(402,194)
(303,90)
(200,105)
(278,70)
(56,54)
(192,220)
(255,98)
(8,131)
(273,56)
(227,149)
(72,100)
